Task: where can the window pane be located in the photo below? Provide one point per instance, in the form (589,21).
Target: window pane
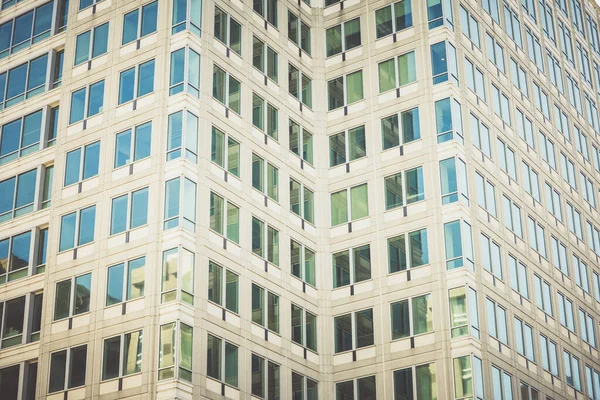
(132,353)
(114,285)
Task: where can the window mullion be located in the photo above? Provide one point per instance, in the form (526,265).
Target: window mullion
(67,367)
(77,222)
(177,334)
(139,23)
(3,320)
(178,289)
(121,354)
(86,102)
(81,162)
(72,298)
(91,43)
(125,281)
(180,216)
(129,211)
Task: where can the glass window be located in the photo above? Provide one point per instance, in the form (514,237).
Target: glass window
(21,137)
(223,289)
(72,297)
(133,145)
(299,32)
(187,15)
(185,72)
(77,228)
(304,388)
(345,90)
(227,89)
(182,136)
(349,205)
(82,164)
(91,44)
(408,251)
(300,142)
(26,29)
(524,339)
(67,369)
(412,317)
(140,22)
(469,25)
(23,81)
(87,102)
(177,281)
(348,146)
(404,188)
(443,63)
(343,37)
(453,180)
(303,262)
(300,85)
(224,218)
(122,355)
(397,71)
(352,266)
(126,281)
(401,128)
(448,119)
(264,58)
(180,204)
(228,30)
(393,18)
(176,351)
(302,201)
(464,314)
(269,248)
(222,360)
(129,211)
(353,331)
(304,328)
(266,9)
(228,157)
(468,377)
(265,378)
(439,12)
(136,82)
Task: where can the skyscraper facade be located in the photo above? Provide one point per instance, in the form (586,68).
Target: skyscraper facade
(311,199)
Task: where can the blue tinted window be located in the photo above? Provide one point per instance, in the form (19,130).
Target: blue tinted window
(43,21)
(16,81)
(130,27)
(118,222)
(149,18)
(20,251)
(179,15)
(126,84)
(177,71)
(13,204)
(37,73)
(9,141)
(122,149)
(67,232)
(139,208)
(96,101)
(91,160)
(87,223)
(72,167)
(82,47)
(7,195)
(172,203)
(146,78)
(22,30)
(5,34)
(29,28)
(143,137)
(114,286)
(77,106)
(100,40)
(26,189)
(32,129)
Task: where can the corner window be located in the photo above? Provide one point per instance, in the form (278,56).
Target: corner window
(439,12)
(226,89)
(269,248)
(453,180)
(126,281)
(228,157)
(133,145)
(458,244)
(443,63)
(82,164)
(72,297)
(129,211)
(351,266)
(177,282)
(468,377)
(349,205)
(185,72)
(224,218)
(345,90)
(175,351)
(77,228)
(182,136)
(122,355)
(397,72)
(136,82)
(187,15)
(300,142)
(140,22)
(354,331)
(222,360)
(87,102)
(464,313)
(404,188)
(67,369)
(302,201)
(223,287)
(393,18)
(91,44)
(343,37)
(448,120)
(303,263)
(180,204)
(401,128)
(409,250)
